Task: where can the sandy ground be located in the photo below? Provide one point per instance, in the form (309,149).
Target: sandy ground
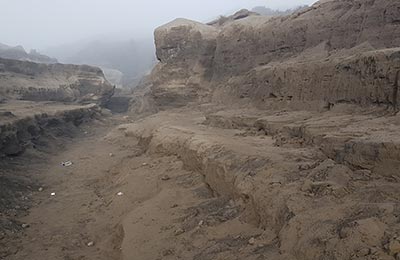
(163,211)
(147,189)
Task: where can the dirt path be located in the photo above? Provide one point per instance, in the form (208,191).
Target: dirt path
(164,211)
(61,226)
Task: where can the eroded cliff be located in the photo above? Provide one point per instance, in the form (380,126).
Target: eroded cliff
(332,52)
(293,118)
(23,80)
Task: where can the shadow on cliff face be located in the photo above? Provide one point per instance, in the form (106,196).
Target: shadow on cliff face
(119,104)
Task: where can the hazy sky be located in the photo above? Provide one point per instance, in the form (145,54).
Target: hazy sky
(43,23)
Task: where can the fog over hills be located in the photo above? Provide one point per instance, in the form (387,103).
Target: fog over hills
(19,53)
(123,61)
(119,35)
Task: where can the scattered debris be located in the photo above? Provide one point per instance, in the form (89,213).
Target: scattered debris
(66,163)
(252,241)
(252,174)
(165,178)
(201,223)
(111,155)
(260,245)
(168,252)
(179,231)
(120,193)
(53,194)
(363,252)
(40,189)
(25,225)
(144,164)
(90,244)
(394,247)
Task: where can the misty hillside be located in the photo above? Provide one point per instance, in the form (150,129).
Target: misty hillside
(19,53)
(271,12)
(123,62)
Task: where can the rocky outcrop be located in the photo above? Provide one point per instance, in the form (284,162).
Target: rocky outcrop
(29,122)
(316,55)
(304,139)
(341,24)
(25,80)
(340,51)
(306,178)
(365,79)
(185,50)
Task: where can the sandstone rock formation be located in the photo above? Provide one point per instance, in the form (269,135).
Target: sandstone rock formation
(294,118)
(251,47)
(333,52)
(25,80)
(185,50)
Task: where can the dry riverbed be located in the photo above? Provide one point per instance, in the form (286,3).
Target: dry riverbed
(117,202)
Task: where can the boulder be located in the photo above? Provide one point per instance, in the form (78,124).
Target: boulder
(183,40)
(185,50)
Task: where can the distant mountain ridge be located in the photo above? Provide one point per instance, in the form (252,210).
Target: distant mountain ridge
(132,58)
(19,53)
(263,10)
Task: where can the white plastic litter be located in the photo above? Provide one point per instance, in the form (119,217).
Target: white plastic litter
(120,193)
(66,164)
(53,194)
(25,225)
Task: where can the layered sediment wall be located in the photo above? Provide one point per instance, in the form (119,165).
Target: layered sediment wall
(18,133)
(333,52)
(23,80)
(314,159)
(306,179)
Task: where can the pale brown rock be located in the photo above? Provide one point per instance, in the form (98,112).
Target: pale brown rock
(53,82)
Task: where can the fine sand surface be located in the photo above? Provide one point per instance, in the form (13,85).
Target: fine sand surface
(164,211)
(190,184)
